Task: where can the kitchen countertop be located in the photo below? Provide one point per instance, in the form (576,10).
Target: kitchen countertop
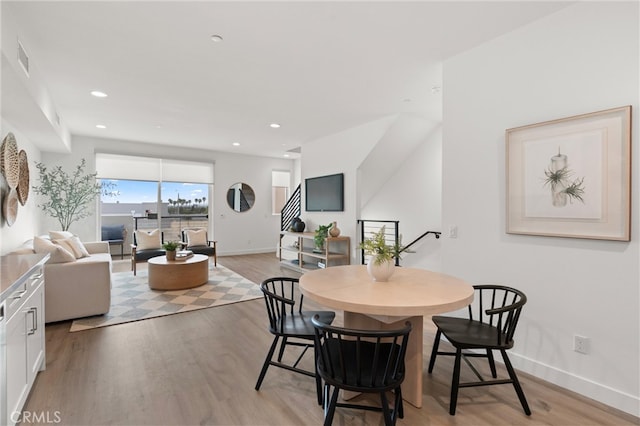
(15,269)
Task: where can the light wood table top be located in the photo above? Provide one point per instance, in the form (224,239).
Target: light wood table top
(408,292)
(409,295)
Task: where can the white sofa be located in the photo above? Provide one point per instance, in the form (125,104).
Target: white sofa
(77,289)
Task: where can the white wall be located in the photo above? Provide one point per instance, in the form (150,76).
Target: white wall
(583,58)
(413,196)
(25,226)
(253,231)
(342,152)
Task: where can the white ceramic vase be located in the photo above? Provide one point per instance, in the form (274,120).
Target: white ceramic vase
(381,272)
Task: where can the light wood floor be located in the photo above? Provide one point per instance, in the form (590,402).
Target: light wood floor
(200,368)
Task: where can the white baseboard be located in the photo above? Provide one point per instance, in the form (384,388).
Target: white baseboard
(604,394)
(597,391)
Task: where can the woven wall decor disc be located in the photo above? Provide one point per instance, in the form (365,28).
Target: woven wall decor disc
(23,182)
(10,207)
(9,162)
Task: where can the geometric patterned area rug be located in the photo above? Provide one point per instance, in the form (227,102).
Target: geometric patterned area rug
(133,300)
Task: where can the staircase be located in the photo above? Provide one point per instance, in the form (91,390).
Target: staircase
(291,210)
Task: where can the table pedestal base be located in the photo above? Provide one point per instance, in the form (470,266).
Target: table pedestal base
(412,385)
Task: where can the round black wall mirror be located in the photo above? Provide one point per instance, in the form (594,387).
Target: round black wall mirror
(240,197)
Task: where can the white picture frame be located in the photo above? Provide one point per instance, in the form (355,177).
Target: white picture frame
(571,177)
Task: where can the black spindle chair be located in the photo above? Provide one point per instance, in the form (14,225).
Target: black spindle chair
(366,361)
(292,325)
(491,324)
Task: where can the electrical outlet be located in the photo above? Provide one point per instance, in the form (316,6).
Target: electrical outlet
(581,344)
(453,231)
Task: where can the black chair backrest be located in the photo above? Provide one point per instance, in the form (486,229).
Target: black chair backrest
(279,296)
(361,359)
(498,306)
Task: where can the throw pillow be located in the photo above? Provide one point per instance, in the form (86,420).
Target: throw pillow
(60,235)
(148,240)
(58,253)
(74,246)
(196,237)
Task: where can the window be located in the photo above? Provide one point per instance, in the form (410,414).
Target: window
(280,181)
(153,193)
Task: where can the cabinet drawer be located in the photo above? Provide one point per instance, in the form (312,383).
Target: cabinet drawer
(17,298)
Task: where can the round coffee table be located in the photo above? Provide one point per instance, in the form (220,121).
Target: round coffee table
(178,274)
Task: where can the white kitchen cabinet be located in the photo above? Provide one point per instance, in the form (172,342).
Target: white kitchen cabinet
(24,342)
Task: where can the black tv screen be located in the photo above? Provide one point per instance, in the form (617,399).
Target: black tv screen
(325,193)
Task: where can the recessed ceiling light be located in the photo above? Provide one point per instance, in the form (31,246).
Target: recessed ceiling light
(101,126)
(236,144)
(216,38)
(274,125)
(286,156)
(99,94)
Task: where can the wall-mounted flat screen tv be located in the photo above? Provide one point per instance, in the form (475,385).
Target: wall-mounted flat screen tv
(324,193)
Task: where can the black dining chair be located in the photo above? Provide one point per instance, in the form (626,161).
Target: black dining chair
(490,326)
(365,361)
(291,324)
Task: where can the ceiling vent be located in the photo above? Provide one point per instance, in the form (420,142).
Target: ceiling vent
(23,58)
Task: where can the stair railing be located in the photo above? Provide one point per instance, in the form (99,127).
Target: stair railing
(292,209)
(392,234)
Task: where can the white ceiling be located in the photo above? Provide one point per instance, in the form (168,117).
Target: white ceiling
(314,67)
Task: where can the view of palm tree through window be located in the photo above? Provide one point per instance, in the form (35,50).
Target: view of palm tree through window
(168,206)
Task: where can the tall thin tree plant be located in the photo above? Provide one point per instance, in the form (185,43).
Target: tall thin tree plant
(69,197)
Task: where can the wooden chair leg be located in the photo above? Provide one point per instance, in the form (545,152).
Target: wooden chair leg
(386,413)
(455,383)
(492,364)
(400,405)
(328,417)
(267,362)
(434,351)
(283,344)
(516,383)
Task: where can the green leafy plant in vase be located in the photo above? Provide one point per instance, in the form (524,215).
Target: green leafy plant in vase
(382,262)
(170,248)
(320,236)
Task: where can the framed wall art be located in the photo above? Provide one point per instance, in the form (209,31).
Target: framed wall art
(571,177)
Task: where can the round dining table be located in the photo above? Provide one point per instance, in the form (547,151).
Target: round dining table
(409,295)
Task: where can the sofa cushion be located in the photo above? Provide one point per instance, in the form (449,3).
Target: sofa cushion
(73,245)
(196,237)
(58,253)
(60,235)
(148,240)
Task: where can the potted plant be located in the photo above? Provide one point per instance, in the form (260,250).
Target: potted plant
(170,247)
(68,197)
(320,235)
(382,262)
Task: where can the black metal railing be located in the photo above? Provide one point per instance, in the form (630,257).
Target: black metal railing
(435,233)
(291,209)
(392,234)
